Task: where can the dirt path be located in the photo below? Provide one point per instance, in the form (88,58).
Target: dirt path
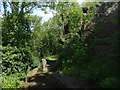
(107,27)
(52,80)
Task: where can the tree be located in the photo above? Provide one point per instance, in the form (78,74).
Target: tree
(16,35)
(16,30)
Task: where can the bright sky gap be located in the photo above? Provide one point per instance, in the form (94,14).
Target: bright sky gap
(38,11)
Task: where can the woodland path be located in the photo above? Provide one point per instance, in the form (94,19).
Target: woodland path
(55,81)
(107,26)
(52,80)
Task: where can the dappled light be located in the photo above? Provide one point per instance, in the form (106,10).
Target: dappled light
(77,47)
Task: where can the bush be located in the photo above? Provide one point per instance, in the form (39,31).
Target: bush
(110,82)
(74,54)
(16,60)
(11,81)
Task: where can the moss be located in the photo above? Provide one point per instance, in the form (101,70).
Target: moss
(114,21)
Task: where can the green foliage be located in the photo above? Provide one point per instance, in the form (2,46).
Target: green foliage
(15,59)
(45,40)
(15,63)
(110,82)
(16,24)
(114,21)
(17,54)
(15,34)
(1,81)
(52,57)
(73,54)
(26,41)
(79,60)
(12,81)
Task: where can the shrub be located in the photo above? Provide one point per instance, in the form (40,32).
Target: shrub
(10,81)
(110,82)
(14,59)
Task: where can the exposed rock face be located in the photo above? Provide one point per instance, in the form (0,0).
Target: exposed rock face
(104,47)
(106,26)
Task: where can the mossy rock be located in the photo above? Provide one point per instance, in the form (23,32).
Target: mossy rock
(34,72)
